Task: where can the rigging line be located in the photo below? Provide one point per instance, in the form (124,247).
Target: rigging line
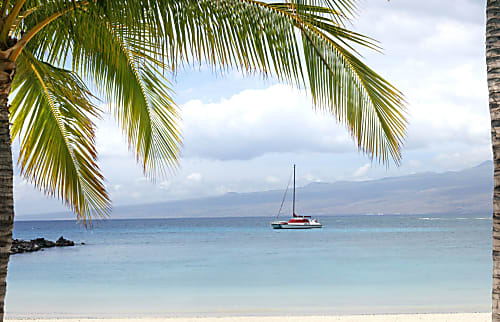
(284,196)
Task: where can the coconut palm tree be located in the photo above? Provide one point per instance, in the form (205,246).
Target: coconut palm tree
(493,69)
(52,52)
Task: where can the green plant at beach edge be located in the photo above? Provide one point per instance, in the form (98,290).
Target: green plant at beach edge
(50,50)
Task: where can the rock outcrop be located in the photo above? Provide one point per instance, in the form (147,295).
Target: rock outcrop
(25,246)
(61,242)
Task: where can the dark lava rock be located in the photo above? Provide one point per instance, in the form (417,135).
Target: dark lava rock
(23,246)
(61,242)
(42,242)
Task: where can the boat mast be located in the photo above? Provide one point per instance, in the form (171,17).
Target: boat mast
(294,190)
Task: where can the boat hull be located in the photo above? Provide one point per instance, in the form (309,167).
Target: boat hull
(289,226)
(278,224)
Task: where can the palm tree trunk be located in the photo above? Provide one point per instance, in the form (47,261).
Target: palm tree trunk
(493,68)
(7,70)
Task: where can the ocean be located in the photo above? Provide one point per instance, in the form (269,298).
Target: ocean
(240,266)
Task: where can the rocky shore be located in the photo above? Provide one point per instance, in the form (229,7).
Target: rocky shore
(28,246)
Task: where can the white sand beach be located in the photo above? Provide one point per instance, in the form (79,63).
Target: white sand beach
(448,317)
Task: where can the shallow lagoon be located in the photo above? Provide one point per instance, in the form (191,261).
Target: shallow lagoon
(228,266)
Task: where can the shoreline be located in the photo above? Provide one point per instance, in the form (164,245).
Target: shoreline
(417,317)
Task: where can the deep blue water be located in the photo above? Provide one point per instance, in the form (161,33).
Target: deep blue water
(218,266)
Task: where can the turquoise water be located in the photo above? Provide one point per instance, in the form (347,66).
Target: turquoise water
(219,266)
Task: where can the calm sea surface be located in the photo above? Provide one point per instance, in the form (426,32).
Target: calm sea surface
(220,266)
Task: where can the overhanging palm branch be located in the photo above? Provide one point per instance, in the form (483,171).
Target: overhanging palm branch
(52,113)
(128,74)
(125,47)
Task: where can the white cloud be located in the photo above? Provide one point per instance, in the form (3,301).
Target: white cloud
(361,171)
(434,52)
(110,140)
(164,185)
(448,36)
(255,122)
(272,179)
(312,178)
(414,163)
(195,177)
(459,159)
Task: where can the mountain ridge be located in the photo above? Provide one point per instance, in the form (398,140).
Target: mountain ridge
(467,191)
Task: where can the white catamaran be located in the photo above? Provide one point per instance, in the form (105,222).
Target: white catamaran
(296,222)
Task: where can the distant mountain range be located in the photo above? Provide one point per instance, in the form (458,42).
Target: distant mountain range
(462,192)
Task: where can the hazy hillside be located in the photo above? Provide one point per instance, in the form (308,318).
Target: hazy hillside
(467,191)
(464,192)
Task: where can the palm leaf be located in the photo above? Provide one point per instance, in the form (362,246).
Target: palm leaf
(125,48)
(51,113)
(260,37)
(130,78)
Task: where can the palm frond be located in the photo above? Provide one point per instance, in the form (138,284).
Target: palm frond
(371,108)
(51,113)
(253,36)
(265,39)
(130,77)
(140,97)
(126,47)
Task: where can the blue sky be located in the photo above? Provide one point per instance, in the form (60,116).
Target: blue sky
(244,133)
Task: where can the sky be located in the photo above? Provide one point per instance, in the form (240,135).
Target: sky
(243,134)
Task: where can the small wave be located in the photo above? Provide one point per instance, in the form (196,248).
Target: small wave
(458,218)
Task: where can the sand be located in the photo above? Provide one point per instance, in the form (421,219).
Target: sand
(452,317)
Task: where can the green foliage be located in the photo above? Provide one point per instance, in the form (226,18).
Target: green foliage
(125,48)
(52,113)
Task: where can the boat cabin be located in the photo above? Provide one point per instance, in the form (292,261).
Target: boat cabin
(298,220)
